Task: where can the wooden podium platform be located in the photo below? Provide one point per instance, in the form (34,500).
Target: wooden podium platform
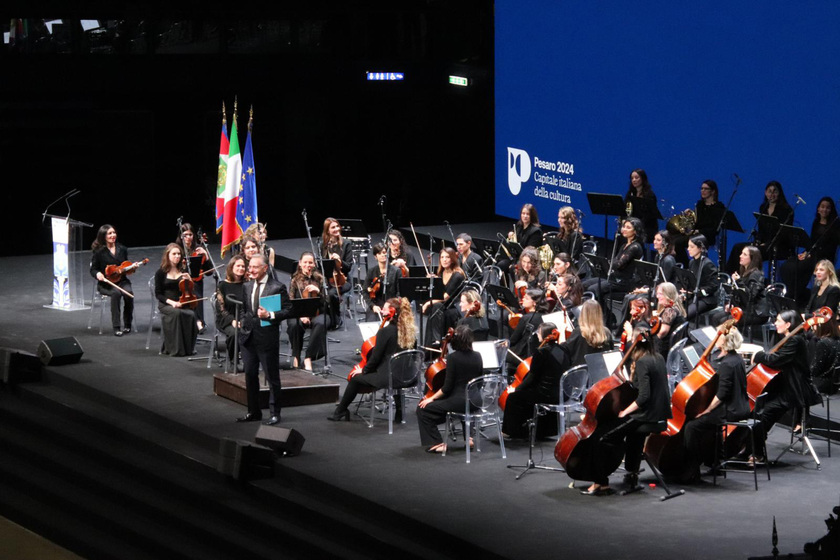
(299,388)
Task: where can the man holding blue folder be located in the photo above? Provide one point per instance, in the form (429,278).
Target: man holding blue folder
(266,305)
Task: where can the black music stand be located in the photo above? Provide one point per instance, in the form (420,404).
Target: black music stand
(416,271)
(352,228)
(601,365)
(304,307)
(504,294)
(645,207)
(599,267)
(648,274)
(727,222)
(769,226)
(605,205)
(778,303)
(685,279)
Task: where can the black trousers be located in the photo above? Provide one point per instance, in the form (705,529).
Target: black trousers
(434,414)
(632,433)
(118,297)
(262,348)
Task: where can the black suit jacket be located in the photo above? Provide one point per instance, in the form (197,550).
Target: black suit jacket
(251,327)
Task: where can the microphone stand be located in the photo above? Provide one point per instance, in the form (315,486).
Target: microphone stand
(450,232)
(237,306)
(68,194)
(697,291)
(324,299)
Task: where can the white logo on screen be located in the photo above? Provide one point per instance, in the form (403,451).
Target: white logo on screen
(519,169)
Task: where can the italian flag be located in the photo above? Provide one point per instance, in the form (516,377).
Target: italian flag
(230,195)
(224,148)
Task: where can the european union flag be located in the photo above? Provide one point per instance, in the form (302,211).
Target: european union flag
(246,206)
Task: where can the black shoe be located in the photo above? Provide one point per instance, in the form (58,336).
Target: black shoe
(250,417)
(398,417)
(598,492)
(273,420)
(631,480)
(339,415)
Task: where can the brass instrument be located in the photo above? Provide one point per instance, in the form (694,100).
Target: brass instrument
(683,223)
(629,209)
(512,236)
(546,257)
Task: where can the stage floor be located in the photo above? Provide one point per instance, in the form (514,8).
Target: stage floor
(536,517)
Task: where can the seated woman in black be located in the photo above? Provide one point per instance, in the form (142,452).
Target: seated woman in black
(569,239)
(825,236)
(398,253)
(826,357)
(623,278)
(470,304)
(106,251)
(522,341)
(199,265)
(178,323)
(232,285)
(307,283)
(708,212)
(462,365)
(794,389)
(775,204)
(526,233)
(651,407)
(453,277)
(750,294)
(400,333)
(671,315)
(703,295)
(730,403)
(591,336)
(566,291)
(665,261)
(826,289)
(380,284)
(540,385)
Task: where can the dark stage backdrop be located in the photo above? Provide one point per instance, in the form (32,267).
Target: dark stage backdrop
(587,91)
(135,124)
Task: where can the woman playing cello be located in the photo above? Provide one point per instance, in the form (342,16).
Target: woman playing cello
(177,319)
(106,251)
(651,407)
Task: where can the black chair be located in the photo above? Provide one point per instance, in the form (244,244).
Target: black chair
(728,428)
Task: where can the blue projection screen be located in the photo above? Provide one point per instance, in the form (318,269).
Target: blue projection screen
(588,91)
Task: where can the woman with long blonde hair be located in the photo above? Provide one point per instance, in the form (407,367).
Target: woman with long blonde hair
(591,335)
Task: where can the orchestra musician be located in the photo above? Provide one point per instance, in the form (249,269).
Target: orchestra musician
(477,321)
(796,389)
(522,340)
(708,212)
(376,278)
(453,277)
(540,385)
(591,336)
(703,295)
(651,407)
(664,260)
(397,251)
(178,322)
(529,275)
(729,404)
(232,285)
(639,187)
(826,289)
(775,204)
(567,291)
(750,278)
(825,236)
(569,237)
(399,334)
(198,263)
(462,365)
(526,233)
(106,251)
(259,232)
(307,282)
(671,315)
(640,313)
(826,356)
(468,259)
(334,246)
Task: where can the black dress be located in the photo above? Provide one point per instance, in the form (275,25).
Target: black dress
(102,258)
(649,220)
(384,292)
(179,327)
(226,311)
(317,325)
(437,311)
(345,251)
(797,273)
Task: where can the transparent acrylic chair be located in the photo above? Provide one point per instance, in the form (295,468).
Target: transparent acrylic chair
(153,314)
(405,369)
(481,409)
(100,300)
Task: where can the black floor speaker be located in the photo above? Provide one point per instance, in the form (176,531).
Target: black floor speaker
(60,351)
(287,441)
(17,366)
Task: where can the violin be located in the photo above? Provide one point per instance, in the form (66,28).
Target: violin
(524,368)
(188,299)
(367,345)
(373,289)
(338,278)
(692,396)
(513,318)
(115,272)
(575,450)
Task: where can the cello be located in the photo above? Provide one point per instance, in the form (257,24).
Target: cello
(436,372)
(692,396)
(604,400)
(368,345)
(524,368)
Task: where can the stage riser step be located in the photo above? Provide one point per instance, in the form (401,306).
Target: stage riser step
(299,388)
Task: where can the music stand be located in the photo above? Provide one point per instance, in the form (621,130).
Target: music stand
(645,207)
(304,307)
(648,273)
(605,205)
(779,303)
(415,271)
(504,294)
(353,229)
(794,236)
(601,365)
(420,290)
(685,279)
(727,222)
(704,336)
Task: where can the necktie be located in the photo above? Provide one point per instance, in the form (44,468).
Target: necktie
(256,304)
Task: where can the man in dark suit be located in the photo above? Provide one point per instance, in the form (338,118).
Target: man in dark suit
(261,344)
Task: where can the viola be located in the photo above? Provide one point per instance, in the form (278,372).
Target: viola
(524,368)
(188,299)
(115,272)
(513,318)
(576,448)
(338,278)
(692,396)
(436,372)
(367,346)
(373,289)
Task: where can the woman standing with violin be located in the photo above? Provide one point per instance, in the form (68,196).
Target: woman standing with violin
(453,277)
(107,252)
(197,262)
(540,385)
(380,284)
(175,295)
(232,285)
(462,365)
(307,283)
(651,407)
(334,247)
(398,333)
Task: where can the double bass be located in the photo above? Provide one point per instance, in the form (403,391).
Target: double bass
(524,368)
(692,396)
(576,449)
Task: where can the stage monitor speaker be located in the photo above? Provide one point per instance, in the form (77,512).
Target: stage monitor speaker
(60,351)
(244,461)
(288,441)
(19,367)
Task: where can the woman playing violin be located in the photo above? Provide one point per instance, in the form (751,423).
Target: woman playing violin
(334,247)
(462,365)
(730,403)
(232,285)
(523,341)
(750,279)
(453,277)
(567,291)
(671,315)
(540,385)
(307,283)
(258,232)
(470,304)
(400,333)
(177,319)
(376,289)
(651,407)
(106,251)
(591,336)
(197,263)
(529,275)
(397,252)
